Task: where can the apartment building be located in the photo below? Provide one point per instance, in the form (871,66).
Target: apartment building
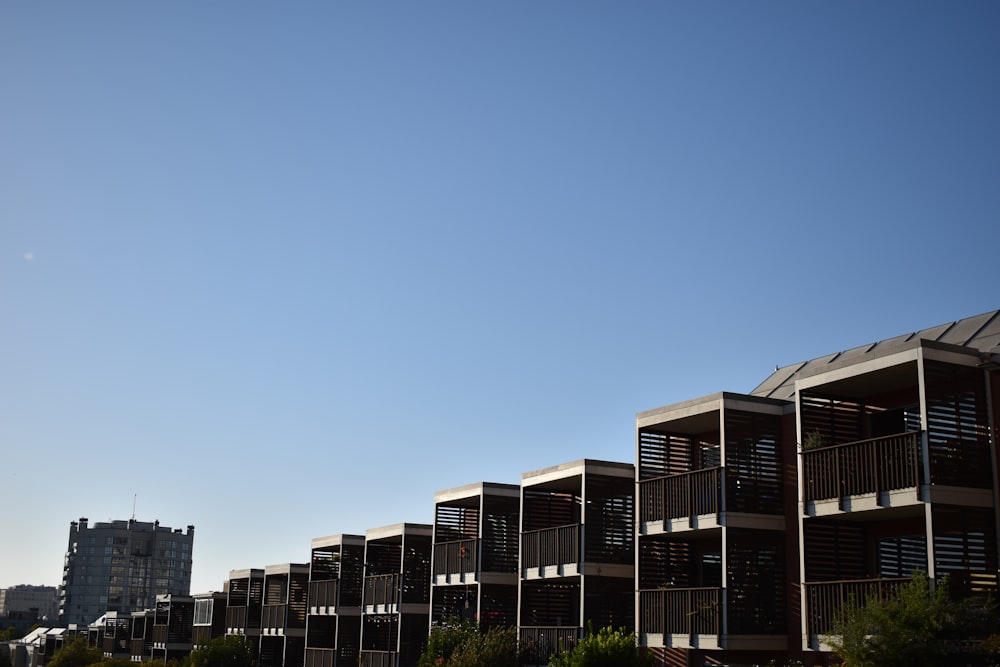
(283,619)
(336,583)
(762,515)
(577,556)
(396,598)
(122,566)
(744,527)
(474,561)
(245,603)
(209,619)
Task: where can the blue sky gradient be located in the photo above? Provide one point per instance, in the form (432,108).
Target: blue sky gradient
(281,271)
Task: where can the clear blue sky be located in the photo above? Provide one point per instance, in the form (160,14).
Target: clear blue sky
(283,270)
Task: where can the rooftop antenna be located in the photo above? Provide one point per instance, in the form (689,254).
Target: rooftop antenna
(134,497)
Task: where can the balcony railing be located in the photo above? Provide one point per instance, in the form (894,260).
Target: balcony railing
(320,657)
(867,466)
(551,546)
(826,601)
(456,557)
(323,593)
(382,589)
(684,495)
(681,611)
(236,617)
(537,643)
(378,659)
(273,617)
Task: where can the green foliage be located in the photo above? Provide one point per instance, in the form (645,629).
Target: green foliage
(115,662)
(227,651)
(497,647)
(76,653)
(912,629)
(10,634)
(813,440)
(459,643)
(444,639)
(605,648)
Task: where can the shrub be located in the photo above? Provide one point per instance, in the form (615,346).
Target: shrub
(459,643)
(605,648)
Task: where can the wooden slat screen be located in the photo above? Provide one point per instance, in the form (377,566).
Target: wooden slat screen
(834,550)
(753,462)
(957,425)
(664,454)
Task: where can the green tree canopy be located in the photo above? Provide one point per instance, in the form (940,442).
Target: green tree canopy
(227,651)
(76,653)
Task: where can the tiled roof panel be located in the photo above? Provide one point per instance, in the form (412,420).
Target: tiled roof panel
(980,332)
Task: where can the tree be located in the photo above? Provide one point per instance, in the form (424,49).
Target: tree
(76,653)
(914,628)
(605,648)
(444,639)
(227,651)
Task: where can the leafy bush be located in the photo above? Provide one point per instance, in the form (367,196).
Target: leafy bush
(497,647)
(444,639)
(916,628)
(459,643)
(226,651)
(605,648)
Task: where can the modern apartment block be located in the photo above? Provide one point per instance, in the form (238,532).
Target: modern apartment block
(396,599)
(716,527)
(336,583)
(474,564)
(577,556)
(172,629)
(763,515)
(283,621)
(209,620)
(122,566)
(745,526)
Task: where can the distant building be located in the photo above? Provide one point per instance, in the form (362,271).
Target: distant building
(42,601)
(121,566)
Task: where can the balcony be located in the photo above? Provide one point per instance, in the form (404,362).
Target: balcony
(537,643)
(681,611)
(236,618)
(382,590)
(876,466)
(547,547)
(273,618)
(456,558)
(825,601)
(682,496)
(323,596)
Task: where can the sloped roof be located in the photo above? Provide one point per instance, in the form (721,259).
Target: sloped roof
(979,332)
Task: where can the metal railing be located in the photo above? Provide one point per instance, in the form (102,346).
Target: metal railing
(320,657)
(682,495)
(827,600)
(866,466)
(456,557)
(684,611)
(551,546)
(273,617)
(382,589)
(323,593)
